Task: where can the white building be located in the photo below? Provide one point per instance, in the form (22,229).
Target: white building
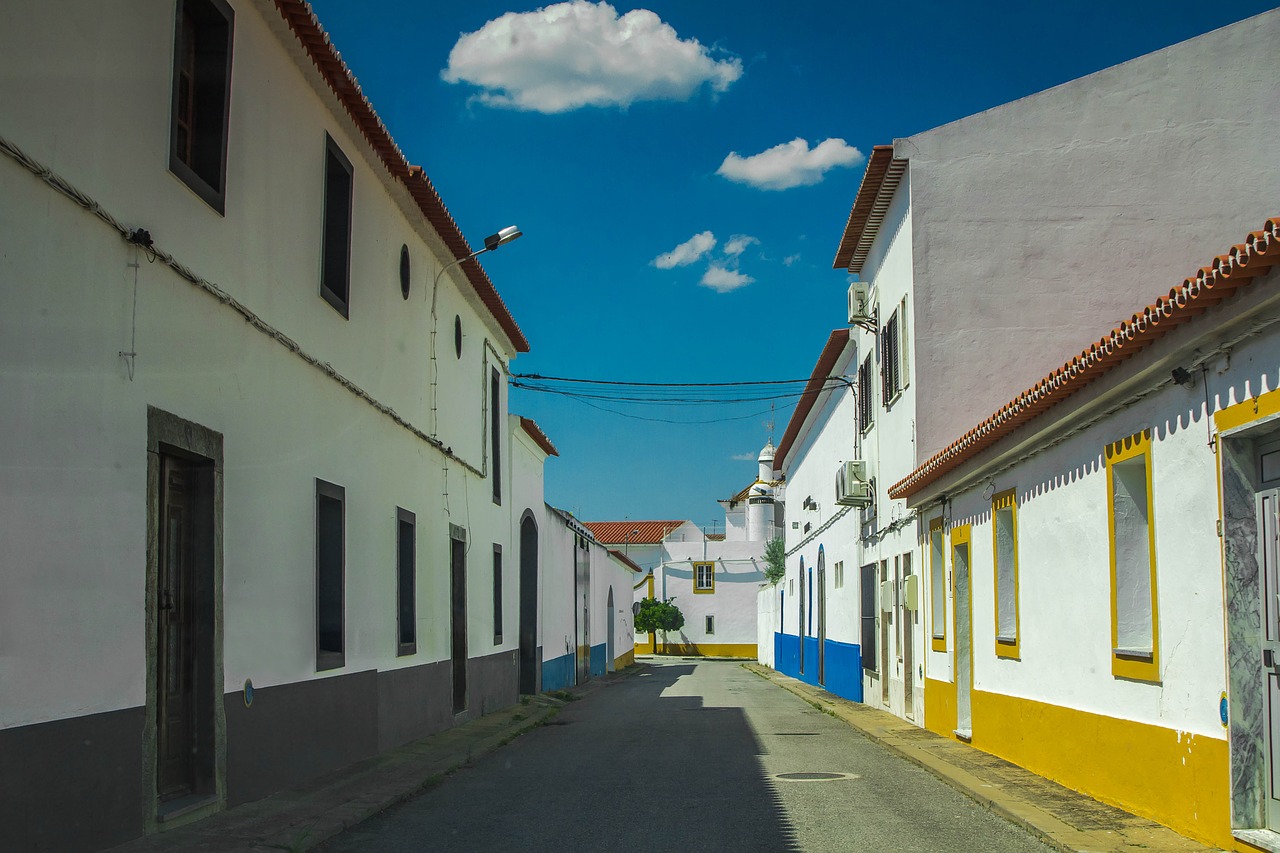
(713,578)
(1102,561)
(257,527)
(969,242)
(586,606)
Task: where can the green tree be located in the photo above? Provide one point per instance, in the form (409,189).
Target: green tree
(775,559)
(655,616)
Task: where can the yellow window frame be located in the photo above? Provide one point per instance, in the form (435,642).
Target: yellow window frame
(711,567)
(1136,667)
(1006,647)
(938,574)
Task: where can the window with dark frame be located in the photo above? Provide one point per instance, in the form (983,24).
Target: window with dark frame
(866,406)
(406,565)
(201,104)
(890,378)
(869,653)
(495,421)
(710,626)
(335,266)
(330,575)
(497,594)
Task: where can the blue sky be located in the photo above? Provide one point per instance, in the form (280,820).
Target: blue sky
(607,136)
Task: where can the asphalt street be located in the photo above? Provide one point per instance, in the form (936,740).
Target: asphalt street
(690,755)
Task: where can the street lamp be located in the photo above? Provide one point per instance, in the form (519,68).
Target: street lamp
(491,244)
(626,544)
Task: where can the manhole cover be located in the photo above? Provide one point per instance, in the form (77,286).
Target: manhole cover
(814,777)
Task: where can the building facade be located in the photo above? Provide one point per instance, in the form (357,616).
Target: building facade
(258,520)
(1102,556)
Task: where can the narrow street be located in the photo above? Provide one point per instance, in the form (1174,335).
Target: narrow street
(692,756)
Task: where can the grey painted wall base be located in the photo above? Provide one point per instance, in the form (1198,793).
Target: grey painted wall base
(413,702)
(72,784)
(80,784)
(294,732)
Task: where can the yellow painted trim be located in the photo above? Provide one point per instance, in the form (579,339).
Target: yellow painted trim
(697,591)
(1253,409)
(938,642)
(940,707)
(1135,446)
(1179,779)
(627,659)
(1006,648)
(746,651)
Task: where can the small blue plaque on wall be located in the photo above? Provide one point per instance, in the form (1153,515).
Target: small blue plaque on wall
(1222,708)
(248,693)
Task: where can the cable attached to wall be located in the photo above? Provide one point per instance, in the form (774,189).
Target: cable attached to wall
(134,236)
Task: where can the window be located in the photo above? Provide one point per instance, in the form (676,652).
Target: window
(839,575)
(890,378)
(1134,614)
(330,571)
(869,655)
(937,586)
(710,626)
(904,347)
(335,267)
(866,407)
(406,568)
(495,421)
(202,98)
(704,577)
(497,594)
(1004,532)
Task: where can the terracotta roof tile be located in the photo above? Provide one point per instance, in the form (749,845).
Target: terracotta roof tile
(315,41)
(538,436)
(817,382)
(614,532)
(871,203)
(1210,285)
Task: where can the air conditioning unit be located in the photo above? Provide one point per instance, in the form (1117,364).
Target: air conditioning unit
(860,308)
(852,486)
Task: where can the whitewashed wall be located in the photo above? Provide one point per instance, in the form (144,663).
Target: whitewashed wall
(74,484)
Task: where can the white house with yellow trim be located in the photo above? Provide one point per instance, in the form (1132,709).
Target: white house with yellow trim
(969,242)
(1103,555)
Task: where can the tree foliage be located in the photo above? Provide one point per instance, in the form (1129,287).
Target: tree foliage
(775,558)
(658,615)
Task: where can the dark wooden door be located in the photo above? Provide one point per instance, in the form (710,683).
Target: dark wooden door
(458,592)
(528,606)
(175,623)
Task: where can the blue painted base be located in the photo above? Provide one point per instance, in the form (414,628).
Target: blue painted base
(599,660)
(842,668)
(558,673)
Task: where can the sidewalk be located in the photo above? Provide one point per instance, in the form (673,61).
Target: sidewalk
(1062,818)
(305,817)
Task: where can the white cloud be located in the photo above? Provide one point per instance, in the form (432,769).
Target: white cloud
(792,164)
(581,54)
(687,252)
(738,243)
(790,259)
(723,280)
(744,457)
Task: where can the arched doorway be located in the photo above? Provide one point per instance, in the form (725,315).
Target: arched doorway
(608,643)
(529,663)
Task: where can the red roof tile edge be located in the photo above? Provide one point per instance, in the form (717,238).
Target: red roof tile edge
(817,382)
(1210,285)
(315,41)
(539,437)
(626,561)
(614,532)
(881,169)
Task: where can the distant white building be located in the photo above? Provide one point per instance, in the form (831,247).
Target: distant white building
(713,578)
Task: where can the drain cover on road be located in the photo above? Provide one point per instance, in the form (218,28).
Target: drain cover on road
(814,777)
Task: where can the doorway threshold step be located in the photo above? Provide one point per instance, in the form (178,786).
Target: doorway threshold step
(1264,838)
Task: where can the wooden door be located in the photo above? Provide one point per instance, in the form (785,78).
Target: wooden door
(458,593)
(175,625)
